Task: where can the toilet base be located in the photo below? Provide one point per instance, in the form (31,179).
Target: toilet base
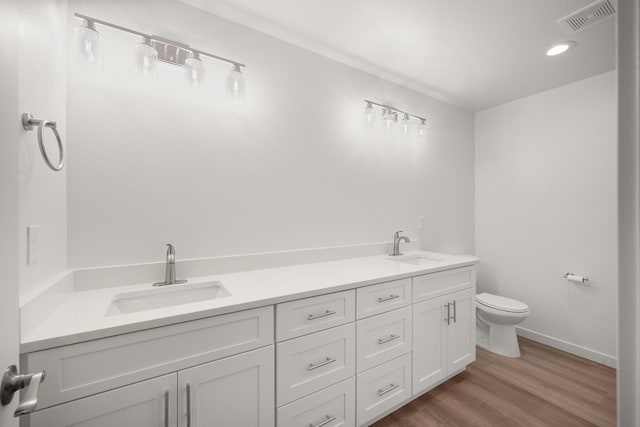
(499,339)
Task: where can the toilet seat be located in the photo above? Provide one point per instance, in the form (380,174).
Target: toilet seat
(497,302)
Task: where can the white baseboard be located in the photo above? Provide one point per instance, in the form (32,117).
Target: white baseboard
(587,353)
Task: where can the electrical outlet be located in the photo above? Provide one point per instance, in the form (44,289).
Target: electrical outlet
(421,222)
(33,242)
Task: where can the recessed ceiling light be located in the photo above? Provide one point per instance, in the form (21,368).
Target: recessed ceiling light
(561,48)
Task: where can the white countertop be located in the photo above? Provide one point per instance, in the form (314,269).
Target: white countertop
(81,314)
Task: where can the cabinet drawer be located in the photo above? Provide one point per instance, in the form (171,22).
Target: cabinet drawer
(334,406)
(383,337)
(383,388)
(307,364)
(145,404)
(441,283)
(308,315)
(387,296)
(91,367)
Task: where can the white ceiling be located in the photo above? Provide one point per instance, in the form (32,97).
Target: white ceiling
(471,53)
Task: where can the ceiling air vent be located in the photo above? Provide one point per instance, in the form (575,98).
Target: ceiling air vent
(587,16)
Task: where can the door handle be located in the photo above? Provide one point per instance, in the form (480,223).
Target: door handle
(455,320)
(12,382)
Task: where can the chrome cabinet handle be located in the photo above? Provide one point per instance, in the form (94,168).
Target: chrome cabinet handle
(382,392)
(389,338)
(166,408)
(324,422)
(448,318)
(454,313)
(12,382)
(188,405)
(319,315)
(318,365)
(390,297)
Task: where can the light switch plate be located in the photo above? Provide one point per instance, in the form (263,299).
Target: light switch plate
(421,222)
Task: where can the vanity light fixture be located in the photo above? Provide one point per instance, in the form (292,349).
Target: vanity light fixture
(153,49)
(422,131)
(561,48)
(235,82)
(390,119)
(89,44)
(146,60)
(369,114)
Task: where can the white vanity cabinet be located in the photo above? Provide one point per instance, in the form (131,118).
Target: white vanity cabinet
(150,403)
(237,390)
(443,328)
(340,359)
(140,379)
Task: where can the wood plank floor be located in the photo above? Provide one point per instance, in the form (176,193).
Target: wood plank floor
(545,387)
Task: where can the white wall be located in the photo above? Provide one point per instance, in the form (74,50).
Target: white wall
(292,168)
(546,205)
(629,211)
(42,91)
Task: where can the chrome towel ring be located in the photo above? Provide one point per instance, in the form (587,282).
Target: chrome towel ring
(28,122)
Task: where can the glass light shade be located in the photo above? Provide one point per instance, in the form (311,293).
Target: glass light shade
(406,125)
(146,61)
(236,83)
(89,45)
(369,115)
(193,72)
(422,132)
(389,119)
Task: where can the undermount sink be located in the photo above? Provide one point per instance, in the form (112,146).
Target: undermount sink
(166,296)
(416,259)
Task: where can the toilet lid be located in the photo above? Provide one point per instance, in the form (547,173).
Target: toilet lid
(501,303)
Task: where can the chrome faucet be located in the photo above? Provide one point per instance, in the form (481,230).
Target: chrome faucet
(170,269)
(397,238)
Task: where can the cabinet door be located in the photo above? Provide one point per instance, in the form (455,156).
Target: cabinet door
(149,403)
(429,343)
(236,391)
(462,330)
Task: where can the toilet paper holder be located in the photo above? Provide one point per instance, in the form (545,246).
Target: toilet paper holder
(574,278)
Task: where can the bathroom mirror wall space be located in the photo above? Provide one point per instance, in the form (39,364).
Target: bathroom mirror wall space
(153,159)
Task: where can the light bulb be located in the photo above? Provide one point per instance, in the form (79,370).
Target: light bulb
(369,115)
(406,125)
(193,72)
(146,60)
(89,45)
(422,131)
(236,83)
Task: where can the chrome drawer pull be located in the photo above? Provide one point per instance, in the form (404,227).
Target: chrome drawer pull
(188,404)
(387,339)
(390,297)
(318,316)
(455,320)
(391,387)
(321,364)
(324,422)
(448,318)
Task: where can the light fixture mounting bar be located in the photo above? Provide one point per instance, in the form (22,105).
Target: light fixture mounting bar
(389,107)
(175,46)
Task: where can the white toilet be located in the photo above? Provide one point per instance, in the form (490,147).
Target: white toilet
(495,326)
